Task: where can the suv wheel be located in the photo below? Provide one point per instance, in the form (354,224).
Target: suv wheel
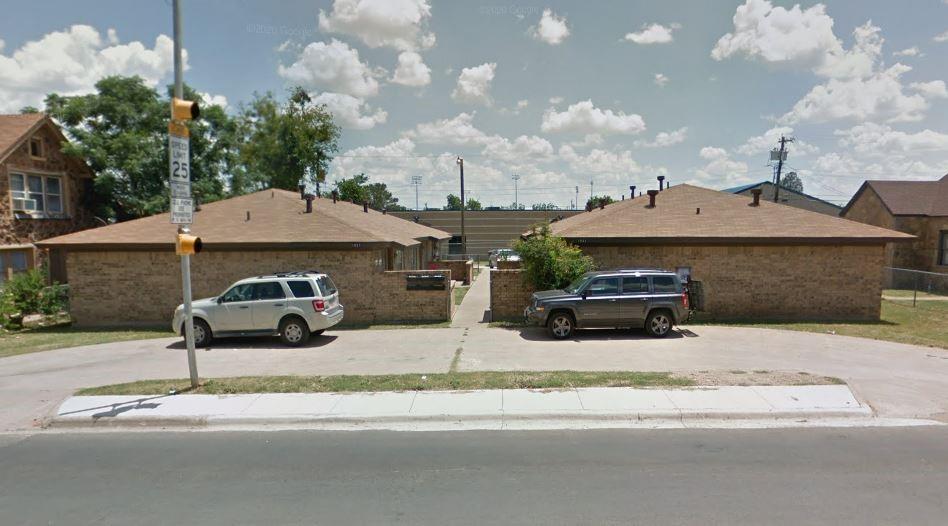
(293,331)
(560,325)
(658,323)
(202,333)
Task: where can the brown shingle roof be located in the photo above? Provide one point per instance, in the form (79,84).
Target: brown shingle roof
(912,198)
(724,218)
(15,128)
(277,220)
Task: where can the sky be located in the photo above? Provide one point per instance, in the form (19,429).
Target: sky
(573,97)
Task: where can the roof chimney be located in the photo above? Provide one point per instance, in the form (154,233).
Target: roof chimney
(365,206)
(335,195)
(632,196)
(661,183)
(756,193)
(651,198)
(309,202)
(416,218)
(248,215)
(384,211)
(302,188)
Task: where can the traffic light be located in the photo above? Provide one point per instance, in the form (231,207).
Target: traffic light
(184,110)
(187,245)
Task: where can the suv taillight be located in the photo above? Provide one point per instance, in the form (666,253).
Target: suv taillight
(319,305)
(684,300)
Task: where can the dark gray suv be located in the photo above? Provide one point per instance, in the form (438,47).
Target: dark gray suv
(636,298)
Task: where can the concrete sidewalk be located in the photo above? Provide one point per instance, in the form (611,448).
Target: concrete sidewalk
(498,409)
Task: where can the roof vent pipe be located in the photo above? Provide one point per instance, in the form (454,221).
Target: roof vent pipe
(651,198)
(756,193)
(416,218)
(632,195)
(365,206)
(661,183)
(309,202)
(248,215)
(302,188)
(335,195)
(384,211)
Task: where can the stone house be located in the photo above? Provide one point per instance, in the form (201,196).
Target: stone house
(919,208)
(755,259)
(127,273)
(44,192)
(788,197)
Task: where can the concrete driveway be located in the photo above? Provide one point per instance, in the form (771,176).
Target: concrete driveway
(897,380)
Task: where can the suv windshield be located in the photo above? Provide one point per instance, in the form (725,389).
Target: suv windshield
(577,284)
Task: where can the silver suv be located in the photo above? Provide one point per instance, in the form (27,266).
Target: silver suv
(293,305)
(652,299)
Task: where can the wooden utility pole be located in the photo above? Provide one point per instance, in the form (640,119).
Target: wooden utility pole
(780,158)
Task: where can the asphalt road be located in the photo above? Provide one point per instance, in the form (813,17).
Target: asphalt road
(815,476)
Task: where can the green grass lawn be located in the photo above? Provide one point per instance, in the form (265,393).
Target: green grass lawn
(908,294)
(924,324)
(399,382)
(48,338)
(459,292)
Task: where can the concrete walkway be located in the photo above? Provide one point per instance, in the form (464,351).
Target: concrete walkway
(473,313)
(485,408)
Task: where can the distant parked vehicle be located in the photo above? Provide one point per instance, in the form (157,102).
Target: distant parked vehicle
(501,254)
(651,299)
(290,305)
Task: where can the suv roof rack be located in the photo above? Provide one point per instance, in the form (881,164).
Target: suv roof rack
(289,274)
(643,270)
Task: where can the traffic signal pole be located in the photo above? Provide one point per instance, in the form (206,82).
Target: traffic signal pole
(183,228)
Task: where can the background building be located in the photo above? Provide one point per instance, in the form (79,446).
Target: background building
(788,197)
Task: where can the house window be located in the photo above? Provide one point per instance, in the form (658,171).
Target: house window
(943,248)
(11,262)
(36,148)
(37,194)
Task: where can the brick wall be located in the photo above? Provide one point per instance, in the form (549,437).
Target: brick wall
(508,265)
(461,270)
(509,294)
(769,282)
(142,288)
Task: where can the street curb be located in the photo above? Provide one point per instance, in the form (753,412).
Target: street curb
(584,417)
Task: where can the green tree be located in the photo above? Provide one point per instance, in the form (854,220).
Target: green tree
(792,181)
(516,206)
(121,131)
(358,189)
(454,202)
(548,261)
(545,206)
(474,204)
(597,200)
(285,144)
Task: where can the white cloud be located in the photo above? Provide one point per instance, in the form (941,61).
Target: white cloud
(761,144)
(458,131)
(474,84)
(585,117)
(551,29)
(879,96)
(411,70)
(517,150)
(913,51)
(516,109)
(335,67)
(653,34)
(719,168)
(591,139)
(661,79)
(600,162)
(941,37)
(798,37)
(208,99)
(398,24)
(556,100)
(664,139)
(351,112)
(881,140)
(71,61)
(933,90)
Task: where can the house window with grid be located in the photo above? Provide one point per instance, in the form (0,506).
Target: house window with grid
(37,194)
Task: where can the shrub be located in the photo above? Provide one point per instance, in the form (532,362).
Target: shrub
(549,262)
(28,293)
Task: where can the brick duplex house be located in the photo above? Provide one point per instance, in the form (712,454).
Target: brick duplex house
(919,208)
(127,273)
(756,261)
(44,192)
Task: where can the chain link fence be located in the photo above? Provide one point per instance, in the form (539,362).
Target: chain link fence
(907,286)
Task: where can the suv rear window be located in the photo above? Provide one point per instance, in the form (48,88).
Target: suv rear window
(664,284)
(326,286)
(301,289)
